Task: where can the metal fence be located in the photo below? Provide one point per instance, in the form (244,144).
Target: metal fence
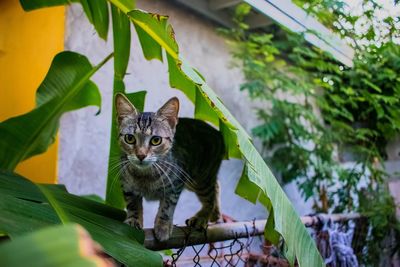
(241,243)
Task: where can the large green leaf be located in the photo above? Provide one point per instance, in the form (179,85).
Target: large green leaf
(286,220)
(113,192)
(62,246)
(65,87)
(26,206)
(122,41)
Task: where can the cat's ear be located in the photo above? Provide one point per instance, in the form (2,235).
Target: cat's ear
(124,107)
(170,110)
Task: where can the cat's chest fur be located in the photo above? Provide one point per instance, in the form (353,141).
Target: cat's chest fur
(151,186)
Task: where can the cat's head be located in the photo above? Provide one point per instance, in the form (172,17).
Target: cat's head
(146,137)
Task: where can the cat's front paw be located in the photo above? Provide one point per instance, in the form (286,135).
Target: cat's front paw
(135,223)
(162,230)
(197,222)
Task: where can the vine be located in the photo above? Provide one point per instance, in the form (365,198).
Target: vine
(327,125)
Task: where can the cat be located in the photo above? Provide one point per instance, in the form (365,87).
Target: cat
(160,157)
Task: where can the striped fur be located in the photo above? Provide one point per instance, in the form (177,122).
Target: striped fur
(188,156)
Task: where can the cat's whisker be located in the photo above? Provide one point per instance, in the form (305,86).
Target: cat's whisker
(123,165)
(176,167)
(166,175)
(116,166)
(181,172)
(159,173)
(171,168)
(113,160)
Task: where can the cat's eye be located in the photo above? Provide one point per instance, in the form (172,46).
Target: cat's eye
(130,139)
(155,140)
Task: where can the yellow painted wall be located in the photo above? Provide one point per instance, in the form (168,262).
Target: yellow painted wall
(28,43)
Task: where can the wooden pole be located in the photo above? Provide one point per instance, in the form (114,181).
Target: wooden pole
(186,236)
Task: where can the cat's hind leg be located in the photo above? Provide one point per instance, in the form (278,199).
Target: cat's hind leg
(209,198)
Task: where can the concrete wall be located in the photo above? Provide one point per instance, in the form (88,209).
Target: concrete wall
(84,138)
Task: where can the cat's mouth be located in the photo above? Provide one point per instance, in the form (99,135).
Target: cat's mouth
(141,164)
(144,163)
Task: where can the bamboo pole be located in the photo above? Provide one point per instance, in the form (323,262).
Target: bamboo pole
(186,236)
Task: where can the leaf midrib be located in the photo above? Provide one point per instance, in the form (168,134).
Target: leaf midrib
(75,89)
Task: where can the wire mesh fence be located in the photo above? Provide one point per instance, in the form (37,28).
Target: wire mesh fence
(242,244)
(234,252)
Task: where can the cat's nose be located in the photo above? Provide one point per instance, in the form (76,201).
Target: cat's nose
(141,157)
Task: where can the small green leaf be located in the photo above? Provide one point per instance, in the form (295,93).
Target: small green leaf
(97,13)
(29,5)
(122,42)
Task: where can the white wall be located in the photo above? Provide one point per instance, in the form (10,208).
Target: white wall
(84,138)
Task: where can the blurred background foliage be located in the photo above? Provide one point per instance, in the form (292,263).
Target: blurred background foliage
(327,125)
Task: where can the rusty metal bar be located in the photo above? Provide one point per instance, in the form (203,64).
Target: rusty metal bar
(183,235)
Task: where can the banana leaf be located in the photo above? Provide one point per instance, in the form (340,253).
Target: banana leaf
(66,245)
(66,87)
(26,207)
(114,195)
(122,42)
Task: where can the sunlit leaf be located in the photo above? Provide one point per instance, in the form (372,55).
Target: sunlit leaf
(66,87)
(62,246)
(121,37)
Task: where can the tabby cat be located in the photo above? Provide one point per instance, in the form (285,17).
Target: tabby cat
(160,157)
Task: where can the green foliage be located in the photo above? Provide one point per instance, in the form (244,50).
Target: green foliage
(122,43)
(319,108)
(66,87)
(54,246)
(380,208)
(97,13)
(366,23)
(26,207)
(320,112)
(113,192)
